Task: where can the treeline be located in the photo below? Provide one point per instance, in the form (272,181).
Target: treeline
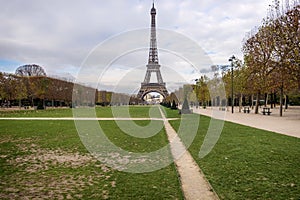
(271,53)
(42,91)
(108,98)
(270,73)
(38,91)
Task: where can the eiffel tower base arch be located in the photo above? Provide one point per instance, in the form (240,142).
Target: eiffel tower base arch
(152,87)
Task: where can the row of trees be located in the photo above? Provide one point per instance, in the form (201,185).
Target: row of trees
(108,98)
(46,91)
(34,89)
(271,63)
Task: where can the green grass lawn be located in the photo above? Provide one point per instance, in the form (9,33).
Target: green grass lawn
(61,112)
(135,144)
(169,113)
(120,111)
(249,163)
(46,160)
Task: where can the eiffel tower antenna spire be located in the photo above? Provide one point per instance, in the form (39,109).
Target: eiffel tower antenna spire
(153,54)
(153,66)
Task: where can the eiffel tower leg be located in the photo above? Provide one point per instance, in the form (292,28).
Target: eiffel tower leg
(147,77)
(159,77)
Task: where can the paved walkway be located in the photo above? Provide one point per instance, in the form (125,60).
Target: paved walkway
(193,182)
(289,124)
(85,118)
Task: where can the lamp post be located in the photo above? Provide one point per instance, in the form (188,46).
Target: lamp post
(231,59)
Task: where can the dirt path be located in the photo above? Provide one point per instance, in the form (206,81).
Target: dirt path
(193,182)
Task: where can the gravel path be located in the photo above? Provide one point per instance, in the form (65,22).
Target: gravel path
(193,182)
(84,118)
(289,124)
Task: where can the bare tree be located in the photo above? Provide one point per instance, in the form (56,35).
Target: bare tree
(30,70)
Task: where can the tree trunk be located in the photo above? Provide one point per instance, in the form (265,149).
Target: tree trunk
(32,102)
(281,100)
(272,100)
(267,99)
(257,103)
(252,99)
(275,100)
(240,103)
(20,103)
(44,105)
(286,101)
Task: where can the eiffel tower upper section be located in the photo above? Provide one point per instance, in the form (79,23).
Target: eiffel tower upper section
(153,65)
(153,54)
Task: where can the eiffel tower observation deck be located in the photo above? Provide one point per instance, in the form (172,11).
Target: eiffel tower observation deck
(153,65)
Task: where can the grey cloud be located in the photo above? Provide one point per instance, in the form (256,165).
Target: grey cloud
(60,34)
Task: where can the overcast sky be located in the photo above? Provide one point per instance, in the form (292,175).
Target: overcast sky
(59,34)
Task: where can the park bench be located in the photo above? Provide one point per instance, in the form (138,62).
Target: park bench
(266,110)
(223,108)
(246,109)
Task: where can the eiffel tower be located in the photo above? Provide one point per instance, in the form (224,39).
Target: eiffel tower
(153,66)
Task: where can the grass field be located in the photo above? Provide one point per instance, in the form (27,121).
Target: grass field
(46,159)
(249,163)
(62,112)
(120,111)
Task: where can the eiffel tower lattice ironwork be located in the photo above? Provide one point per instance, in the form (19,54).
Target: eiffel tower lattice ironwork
(153,66)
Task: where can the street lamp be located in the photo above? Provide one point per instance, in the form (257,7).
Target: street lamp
(231,59)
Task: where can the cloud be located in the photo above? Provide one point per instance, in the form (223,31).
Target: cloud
(59,35)
(220,26)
